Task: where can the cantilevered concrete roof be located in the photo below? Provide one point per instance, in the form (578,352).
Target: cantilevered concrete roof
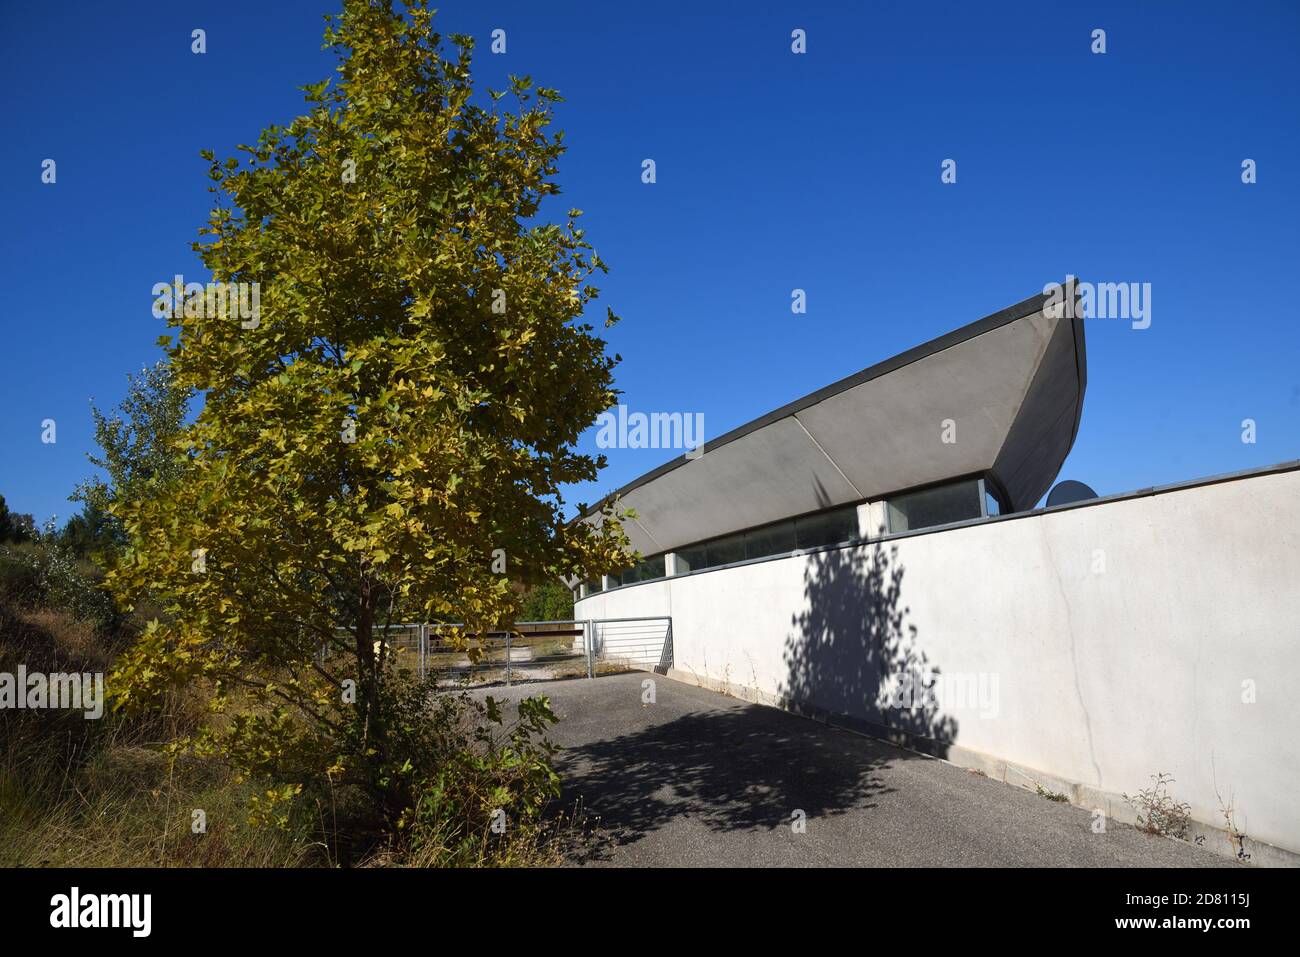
(1013,383)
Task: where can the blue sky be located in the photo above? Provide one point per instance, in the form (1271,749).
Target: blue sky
(775,171)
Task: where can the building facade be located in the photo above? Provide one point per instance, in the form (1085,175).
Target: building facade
(842,559)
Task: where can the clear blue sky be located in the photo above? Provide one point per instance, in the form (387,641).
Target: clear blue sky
(775,171)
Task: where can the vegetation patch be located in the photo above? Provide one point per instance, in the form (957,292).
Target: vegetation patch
(385,437)
(1157,810)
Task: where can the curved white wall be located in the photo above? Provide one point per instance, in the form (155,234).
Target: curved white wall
(1111,641)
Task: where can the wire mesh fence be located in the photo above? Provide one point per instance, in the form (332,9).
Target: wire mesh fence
(530,651)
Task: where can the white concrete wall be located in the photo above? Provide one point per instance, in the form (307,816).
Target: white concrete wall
(1118,637)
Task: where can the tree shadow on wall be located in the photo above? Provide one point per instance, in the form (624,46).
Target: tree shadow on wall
(853,654)
(736,767)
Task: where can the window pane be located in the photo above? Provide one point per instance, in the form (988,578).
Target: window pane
(827,528)
(775,539)
(645,570)
(993,506)
(594,585)
(691,559)
(650,569)
(934,506)
(724,551)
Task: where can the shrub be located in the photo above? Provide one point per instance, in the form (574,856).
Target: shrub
(452,767)
(20,575)
(46,573)
(1158,812)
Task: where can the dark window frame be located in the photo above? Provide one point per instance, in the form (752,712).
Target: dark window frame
(983,490)
(742,536)
(986,484)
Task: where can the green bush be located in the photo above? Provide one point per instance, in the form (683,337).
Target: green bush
(549,602)
(451,767)
(484,795)
(20,575)
(47,573)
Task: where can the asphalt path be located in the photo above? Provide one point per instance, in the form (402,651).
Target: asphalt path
(697,778)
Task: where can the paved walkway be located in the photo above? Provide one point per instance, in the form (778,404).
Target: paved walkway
(700,779)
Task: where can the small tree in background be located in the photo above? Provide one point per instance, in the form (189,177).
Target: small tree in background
(15,526)
(391,434)
(91,532)
(138,452)
(549,601)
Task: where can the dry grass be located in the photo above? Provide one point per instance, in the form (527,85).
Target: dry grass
(548,844)
(104,793)
(603,666)
(129,808)
(110,793)
(71,639)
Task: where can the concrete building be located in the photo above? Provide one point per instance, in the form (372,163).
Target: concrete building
(870,555)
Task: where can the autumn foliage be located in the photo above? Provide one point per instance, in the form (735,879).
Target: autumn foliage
(403,408)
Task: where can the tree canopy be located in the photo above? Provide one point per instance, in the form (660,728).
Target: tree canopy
(15,526)
(391,433)
(138,452)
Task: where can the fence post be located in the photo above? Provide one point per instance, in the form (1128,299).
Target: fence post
(590,630)
(507,659)
(424,652)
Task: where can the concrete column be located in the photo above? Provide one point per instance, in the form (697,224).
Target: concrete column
(670,564)
(871,519)
(864,521)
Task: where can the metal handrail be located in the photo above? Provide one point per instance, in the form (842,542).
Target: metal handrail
(638,646)
(601,621)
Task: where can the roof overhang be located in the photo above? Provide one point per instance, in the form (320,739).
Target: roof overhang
(1011,383)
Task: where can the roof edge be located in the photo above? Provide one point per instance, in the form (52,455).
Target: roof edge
(1026,307)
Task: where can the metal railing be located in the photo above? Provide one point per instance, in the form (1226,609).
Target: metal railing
(531,651)
(643,644)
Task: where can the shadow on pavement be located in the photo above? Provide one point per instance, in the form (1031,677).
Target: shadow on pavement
(739,768)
